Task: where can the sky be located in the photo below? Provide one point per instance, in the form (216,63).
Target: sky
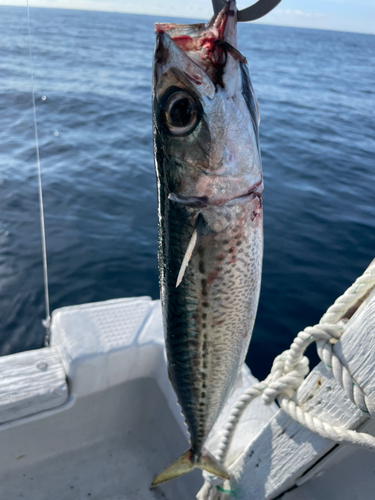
(342,15)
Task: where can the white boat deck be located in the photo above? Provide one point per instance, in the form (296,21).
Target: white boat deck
(95,417)
(105,446)
(120,424)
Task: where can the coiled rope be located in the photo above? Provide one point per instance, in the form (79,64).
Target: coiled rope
(288,372)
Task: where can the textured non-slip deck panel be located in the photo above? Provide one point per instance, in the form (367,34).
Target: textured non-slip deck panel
(100,326)
(98,343)
(31,382)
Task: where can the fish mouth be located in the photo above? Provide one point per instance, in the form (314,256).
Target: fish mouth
(203,201)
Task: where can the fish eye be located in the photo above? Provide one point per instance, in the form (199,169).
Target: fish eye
(181,113)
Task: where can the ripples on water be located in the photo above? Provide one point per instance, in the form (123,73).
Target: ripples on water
(93,84)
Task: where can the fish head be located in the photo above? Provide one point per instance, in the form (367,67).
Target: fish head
(205,113)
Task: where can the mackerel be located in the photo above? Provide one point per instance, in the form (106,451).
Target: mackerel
(209,181)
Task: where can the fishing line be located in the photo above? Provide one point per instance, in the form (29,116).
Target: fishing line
(46,323)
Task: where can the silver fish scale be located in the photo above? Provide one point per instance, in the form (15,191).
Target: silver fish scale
(223,278)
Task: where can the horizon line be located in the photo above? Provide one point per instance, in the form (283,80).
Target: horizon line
(114,11)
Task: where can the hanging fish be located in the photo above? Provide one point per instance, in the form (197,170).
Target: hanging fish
(209,180)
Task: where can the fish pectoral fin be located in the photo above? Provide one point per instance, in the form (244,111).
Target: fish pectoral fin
(187,256)
(193,243)
(183,465)
(186,463)
(209,463)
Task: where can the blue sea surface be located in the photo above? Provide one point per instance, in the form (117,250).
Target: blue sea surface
(92,72)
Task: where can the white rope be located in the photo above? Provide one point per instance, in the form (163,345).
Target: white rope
(288,372)
(47,321)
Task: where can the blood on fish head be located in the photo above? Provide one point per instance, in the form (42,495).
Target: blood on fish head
(205,111)
(208,45)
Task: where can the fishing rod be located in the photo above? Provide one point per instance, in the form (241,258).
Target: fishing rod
(252,13)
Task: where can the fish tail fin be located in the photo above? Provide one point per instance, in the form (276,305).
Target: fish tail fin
(186,463)
(209,463)
(183,465)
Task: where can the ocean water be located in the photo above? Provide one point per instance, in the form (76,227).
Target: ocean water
(93,83)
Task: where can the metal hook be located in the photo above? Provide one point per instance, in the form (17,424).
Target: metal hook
(255,11)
